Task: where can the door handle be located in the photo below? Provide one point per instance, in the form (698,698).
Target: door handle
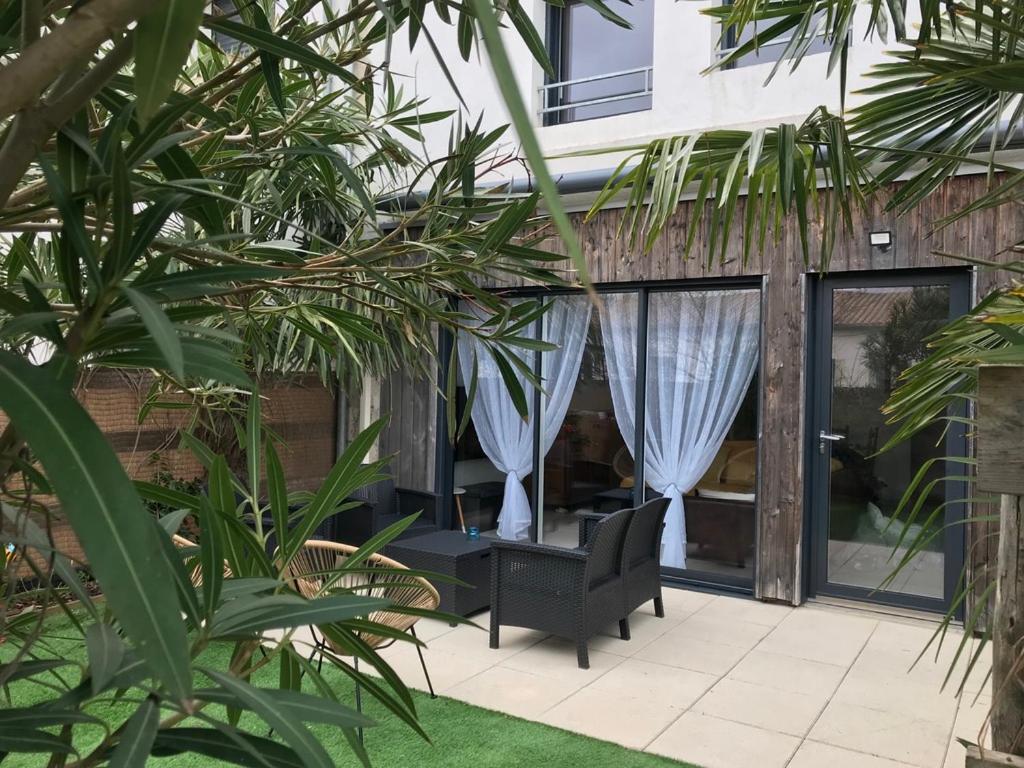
(831,437)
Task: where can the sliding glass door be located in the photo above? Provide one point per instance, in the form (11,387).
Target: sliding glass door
(651,392)
(700,416)
(588,466)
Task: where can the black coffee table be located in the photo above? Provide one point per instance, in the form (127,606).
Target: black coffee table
(451,554)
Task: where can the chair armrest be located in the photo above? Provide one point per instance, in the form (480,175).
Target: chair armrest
(587,522)
(521,567)
(531,548)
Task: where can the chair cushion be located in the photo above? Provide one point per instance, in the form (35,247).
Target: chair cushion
(741,466)
(724,495)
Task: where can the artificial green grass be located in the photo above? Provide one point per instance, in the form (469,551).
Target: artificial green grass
(462,736)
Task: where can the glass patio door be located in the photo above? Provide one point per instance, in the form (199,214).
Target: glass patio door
(868,329)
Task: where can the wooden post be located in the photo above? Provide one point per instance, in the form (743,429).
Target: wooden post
(989,759)
(1001,470)
(1008,631)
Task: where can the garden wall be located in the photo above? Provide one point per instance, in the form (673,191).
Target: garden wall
(300,411)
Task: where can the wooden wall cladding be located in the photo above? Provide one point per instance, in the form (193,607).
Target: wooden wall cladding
(410,436)
(917,244)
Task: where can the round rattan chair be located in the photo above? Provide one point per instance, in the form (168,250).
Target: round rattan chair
(196,573)
(316,571)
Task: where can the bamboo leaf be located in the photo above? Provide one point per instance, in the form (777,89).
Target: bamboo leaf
(164,336)
(106,652)
(238,748)
(137,740)
(285,724)
(163,39)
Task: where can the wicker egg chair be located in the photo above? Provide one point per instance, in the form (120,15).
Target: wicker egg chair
(196,573)
(315,571)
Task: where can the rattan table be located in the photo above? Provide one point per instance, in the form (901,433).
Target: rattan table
(451,554)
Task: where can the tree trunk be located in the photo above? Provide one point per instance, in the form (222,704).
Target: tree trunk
(1008,631)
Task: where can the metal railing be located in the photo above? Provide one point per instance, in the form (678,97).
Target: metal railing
(551,92)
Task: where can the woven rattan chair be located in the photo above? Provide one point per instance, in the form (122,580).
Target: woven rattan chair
(642,553)
(196,573)
(315,571)
(642,556)
(571,593)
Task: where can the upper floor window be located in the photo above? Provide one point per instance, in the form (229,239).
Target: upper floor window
(769,50)
(601,68)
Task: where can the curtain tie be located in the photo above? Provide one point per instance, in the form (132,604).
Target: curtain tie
(515,516)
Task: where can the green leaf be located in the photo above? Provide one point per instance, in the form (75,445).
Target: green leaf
(523,122)
(277,493)
(211,550)
(137,739)
(253,444)
(16,738)
(163,40)
(160,329)
(269,63)
(302,706)
(75,246)
(238,749)
(43,716)
(99,500)
(106,652)
(347,474)
(118,260)
(279,46)
(14,671)
(289,728)
(203,360)
(258,613)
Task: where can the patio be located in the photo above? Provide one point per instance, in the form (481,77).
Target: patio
(724,682)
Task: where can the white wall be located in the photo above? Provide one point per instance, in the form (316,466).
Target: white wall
(685,99)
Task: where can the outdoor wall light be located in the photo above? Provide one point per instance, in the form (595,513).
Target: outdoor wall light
(881,240)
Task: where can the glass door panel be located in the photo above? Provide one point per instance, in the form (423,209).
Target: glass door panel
(873,332)
(701,428)
(587,466)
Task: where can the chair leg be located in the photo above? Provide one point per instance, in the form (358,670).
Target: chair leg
(423,664)
(624,628)
(494,630)
(582,655)
(359,700)
(659,607)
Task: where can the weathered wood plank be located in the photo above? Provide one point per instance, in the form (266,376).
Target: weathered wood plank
(1000,426)
(991,759)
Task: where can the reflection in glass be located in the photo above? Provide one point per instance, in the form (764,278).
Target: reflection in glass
(876,334)
(587,467)
(592,46)
(702,351)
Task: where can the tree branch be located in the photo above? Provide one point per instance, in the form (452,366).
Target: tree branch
(40,63)
(33,127)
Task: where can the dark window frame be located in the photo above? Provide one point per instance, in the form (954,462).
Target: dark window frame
(557,47)
(730,41)
(818,410)
(681,577)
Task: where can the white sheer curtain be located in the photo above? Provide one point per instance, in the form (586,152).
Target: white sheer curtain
(702,349)
(506,438)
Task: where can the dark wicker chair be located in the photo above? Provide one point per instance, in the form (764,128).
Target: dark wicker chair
(641,555)
(571,593)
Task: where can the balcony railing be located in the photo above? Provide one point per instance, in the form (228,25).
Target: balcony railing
(554,103)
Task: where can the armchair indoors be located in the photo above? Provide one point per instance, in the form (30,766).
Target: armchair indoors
(571,593)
